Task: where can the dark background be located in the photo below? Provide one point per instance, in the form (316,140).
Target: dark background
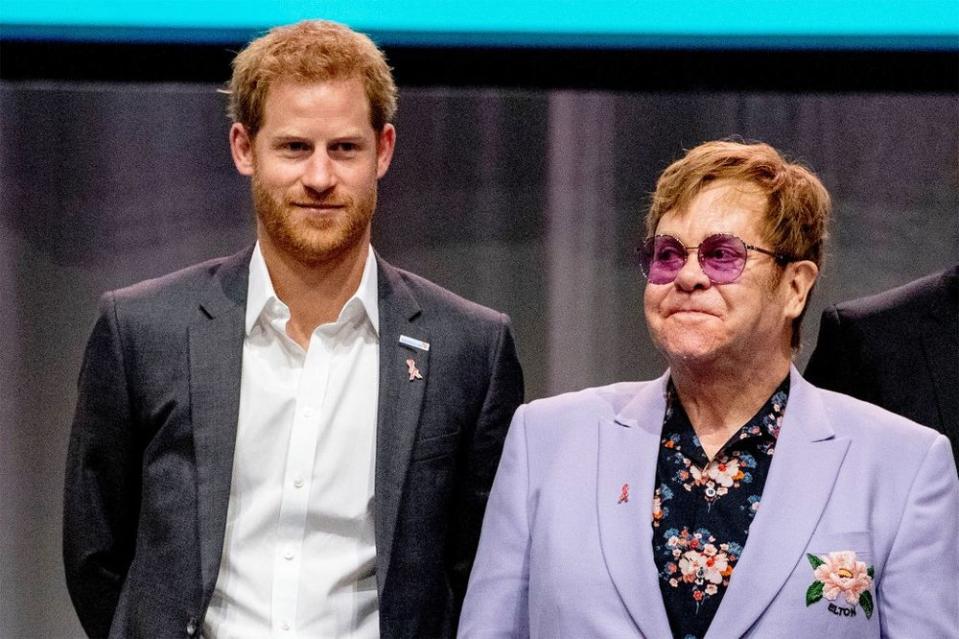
(520,180)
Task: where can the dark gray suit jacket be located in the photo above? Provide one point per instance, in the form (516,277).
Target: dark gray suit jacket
(898,349)
(151,450)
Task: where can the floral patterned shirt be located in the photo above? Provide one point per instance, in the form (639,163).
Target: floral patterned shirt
(702,509)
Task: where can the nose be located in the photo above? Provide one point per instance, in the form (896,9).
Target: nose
(691,276)
(319,173)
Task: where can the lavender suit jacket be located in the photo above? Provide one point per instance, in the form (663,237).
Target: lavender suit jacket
(562,556)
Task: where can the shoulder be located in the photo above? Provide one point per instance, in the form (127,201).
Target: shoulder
(580,408)
(892,463)
(175,284)
(436,300)
(176,297)
(467,338)
(563,431)
(876,433)
(900,303)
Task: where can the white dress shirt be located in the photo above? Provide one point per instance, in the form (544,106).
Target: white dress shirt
(299,555)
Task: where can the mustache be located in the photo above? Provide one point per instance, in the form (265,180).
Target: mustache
(307,199)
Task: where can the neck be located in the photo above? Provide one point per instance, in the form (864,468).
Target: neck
(719,399)
(316,292)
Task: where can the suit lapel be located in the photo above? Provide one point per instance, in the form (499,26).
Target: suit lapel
(216,352)
(804,469)
(628,452)
(400,401)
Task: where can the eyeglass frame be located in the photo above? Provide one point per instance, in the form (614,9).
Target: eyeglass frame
(781,258)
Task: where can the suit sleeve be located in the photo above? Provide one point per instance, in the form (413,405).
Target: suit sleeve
(831,364)
(497,601)
(101,496)
(480,457)
(917,593)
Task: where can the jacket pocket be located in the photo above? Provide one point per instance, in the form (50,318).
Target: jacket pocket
(859,542)
(435,447)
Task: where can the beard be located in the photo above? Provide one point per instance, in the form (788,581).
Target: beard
(313,238)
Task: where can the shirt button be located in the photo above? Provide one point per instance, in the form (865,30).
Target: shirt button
(288,554)
(298,482)
(285,626)
(308,413)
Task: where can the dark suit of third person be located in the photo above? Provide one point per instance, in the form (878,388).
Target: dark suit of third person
(898,349)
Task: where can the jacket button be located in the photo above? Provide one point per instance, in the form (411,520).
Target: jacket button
(191,627)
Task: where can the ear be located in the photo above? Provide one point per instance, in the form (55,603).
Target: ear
(385,143)
(241,147)
(798,280)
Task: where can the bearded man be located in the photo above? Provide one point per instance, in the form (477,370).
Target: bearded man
(297,440)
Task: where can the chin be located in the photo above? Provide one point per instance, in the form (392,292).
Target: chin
(689,354)
(687,346)
(318,251)
(317,243)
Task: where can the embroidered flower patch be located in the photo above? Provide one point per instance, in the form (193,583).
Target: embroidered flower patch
(841,575)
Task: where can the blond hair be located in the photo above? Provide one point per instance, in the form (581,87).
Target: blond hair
(798,205)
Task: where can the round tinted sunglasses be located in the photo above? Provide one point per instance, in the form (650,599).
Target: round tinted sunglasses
(721,256)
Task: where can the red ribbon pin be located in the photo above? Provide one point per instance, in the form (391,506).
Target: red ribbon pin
(623,494)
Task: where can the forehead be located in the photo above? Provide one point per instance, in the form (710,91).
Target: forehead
(724,206)
(336,100)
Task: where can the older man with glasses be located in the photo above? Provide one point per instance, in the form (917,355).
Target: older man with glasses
(729,497)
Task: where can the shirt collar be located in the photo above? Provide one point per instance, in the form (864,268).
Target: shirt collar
(261,295)
(764,425)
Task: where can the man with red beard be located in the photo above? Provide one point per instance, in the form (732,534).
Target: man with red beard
(297,440)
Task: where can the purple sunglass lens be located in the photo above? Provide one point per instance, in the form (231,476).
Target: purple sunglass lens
(722,258)
(663,258)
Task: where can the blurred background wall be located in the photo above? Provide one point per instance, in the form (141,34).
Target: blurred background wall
(520,180)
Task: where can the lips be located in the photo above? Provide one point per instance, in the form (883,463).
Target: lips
(319,206)
(691,311)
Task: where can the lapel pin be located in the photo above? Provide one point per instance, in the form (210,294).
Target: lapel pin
(624,494)
(412,370)
(412,342)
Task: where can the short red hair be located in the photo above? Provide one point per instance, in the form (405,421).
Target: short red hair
(309,51)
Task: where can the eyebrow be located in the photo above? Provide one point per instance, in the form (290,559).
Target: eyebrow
(293,137)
